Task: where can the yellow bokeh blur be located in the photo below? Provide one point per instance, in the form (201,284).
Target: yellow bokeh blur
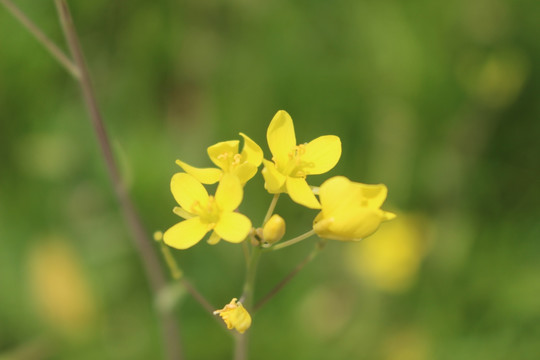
(391,257)
(59,288)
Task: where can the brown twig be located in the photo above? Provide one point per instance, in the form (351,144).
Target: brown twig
(197,295)
(147,252)
(42,38)
(318,247)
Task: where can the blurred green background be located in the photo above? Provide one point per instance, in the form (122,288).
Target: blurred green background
(438,100)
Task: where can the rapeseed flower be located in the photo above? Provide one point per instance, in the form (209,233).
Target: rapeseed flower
(350,211)
(291,163)
(235,316)
(204,213)
(225,155)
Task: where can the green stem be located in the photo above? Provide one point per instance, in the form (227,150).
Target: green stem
(176,273)
(292,241)
(241,340)
(249,284)
(271,208)
(245,250)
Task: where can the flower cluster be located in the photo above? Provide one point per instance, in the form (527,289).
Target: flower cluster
(349,211)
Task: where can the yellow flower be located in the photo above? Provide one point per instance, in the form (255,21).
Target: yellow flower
(350,211)
(235,316)
(205,213)
(291,163)
(225,155)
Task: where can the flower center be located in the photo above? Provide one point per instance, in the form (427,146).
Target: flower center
(229,161)
(209,212)
(295,166)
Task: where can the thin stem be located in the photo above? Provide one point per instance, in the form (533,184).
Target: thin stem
(293,241)
(43,39)
(241,340)
(240,347)
(271,208)
(245,250)
(147,252)
(249,284)
(176,273)
(197,295)
(318,247)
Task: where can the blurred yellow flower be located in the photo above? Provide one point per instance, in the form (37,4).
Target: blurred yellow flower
(391,258)
(291,163)
(60,288)
(235,316)
(350,211)
(225,155)
(204,213)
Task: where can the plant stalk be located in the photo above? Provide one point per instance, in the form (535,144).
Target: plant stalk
(147,252)
(43,39)
(241,340)
(318,247)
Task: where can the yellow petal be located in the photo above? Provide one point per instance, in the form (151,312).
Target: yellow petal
(222,152)
(204,175)
(233,227)
(214,238)
(322,154)
(374,195)
(355,223)
(244,172)
(187,191)
(281,138)
(350,211)
(301,193)
(273,179)
(321,225)
(334,192)
(185,234)
(251,152)
(235,316)
(229,193)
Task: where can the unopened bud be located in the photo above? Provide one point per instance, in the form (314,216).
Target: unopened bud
(274,229)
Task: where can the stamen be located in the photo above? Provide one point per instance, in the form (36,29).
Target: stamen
(237,158)
(224,156)
(196,207)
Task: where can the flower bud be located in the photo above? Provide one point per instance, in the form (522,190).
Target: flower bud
(350,210)
(235,316)
(274,229)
